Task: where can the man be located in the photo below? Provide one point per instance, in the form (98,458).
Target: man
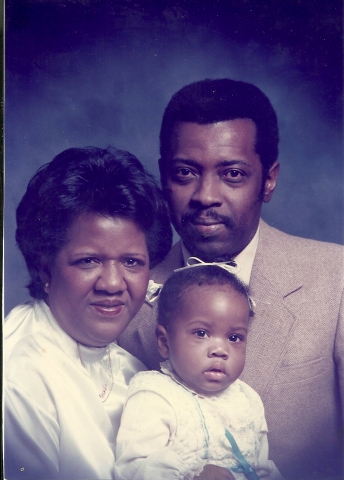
(219,148)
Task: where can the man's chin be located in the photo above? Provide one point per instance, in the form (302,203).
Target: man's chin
(209,251)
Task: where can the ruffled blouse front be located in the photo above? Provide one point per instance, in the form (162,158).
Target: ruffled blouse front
(59,422)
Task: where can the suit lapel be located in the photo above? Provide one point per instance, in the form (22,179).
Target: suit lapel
(269,334)
(272,287)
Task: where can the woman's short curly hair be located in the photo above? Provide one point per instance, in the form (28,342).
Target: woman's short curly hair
(107,181)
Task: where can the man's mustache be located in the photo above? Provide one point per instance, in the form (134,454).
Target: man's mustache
(195,215)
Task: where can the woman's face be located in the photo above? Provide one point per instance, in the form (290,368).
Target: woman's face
(99,279)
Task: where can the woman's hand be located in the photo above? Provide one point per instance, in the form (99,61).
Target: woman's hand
(213,472)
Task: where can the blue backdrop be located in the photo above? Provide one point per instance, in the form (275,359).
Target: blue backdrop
(97,72)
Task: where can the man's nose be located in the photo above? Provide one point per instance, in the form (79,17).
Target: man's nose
(111,278)
(207,192)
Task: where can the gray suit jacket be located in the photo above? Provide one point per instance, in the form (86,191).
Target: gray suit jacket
(295,348)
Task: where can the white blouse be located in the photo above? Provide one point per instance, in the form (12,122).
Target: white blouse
(170,432)
(63,401)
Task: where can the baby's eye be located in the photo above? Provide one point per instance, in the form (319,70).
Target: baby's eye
(235,338)
(201,333)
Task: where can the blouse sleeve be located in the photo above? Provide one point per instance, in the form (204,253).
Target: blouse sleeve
(31,437)
(143,450)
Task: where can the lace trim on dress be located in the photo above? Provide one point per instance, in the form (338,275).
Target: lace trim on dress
(238,408)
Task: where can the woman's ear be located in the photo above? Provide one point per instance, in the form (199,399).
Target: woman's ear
(45,276)
(162,339)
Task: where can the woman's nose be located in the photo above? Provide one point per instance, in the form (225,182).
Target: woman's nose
(111,278)
(208,192)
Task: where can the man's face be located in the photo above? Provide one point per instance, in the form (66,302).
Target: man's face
(213,182)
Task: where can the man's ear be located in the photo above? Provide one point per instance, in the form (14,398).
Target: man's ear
(270,182)
(162,339)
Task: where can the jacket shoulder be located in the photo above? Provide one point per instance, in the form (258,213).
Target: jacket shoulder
(277,243)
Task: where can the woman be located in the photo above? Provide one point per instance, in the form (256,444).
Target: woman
(89,226)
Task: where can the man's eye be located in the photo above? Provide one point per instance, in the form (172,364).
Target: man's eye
(234,175)
(183,173)
(201,333)
(235,338)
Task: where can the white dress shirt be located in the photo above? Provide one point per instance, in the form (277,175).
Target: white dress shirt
(244,259)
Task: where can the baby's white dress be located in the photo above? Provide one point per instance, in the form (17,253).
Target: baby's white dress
(169,432)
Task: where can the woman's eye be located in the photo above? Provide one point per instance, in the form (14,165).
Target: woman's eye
(201,333)
(235,338)
(86,262)
(133,262)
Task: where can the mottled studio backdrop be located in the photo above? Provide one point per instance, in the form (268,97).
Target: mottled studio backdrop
(100,72)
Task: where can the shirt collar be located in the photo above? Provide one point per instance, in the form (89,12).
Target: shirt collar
(244,259)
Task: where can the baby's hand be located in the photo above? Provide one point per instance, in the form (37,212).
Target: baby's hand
(213,472)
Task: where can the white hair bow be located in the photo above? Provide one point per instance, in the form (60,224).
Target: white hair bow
(230,265)
(154,289)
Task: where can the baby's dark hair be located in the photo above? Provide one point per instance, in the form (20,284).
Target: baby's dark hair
(182,280)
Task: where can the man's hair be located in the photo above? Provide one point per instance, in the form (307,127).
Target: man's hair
(108,182)
(210,101)
(178,284)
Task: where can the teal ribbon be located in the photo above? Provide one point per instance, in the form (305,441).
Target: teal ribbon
(243,467)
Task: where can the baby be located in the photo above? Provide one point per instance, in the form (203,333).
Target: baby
(196,419)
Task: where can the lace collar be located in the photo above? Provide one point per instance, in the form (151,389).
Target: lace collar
(167,369)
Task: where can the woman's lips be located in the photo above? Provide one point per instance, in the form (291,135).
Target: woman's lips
(108,309)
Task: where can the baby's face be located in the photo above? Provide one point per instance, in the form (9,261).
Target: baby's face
(207,342)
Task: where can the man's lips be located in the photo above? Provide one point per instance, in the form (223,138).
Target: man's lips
(205,221)
(206,227)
